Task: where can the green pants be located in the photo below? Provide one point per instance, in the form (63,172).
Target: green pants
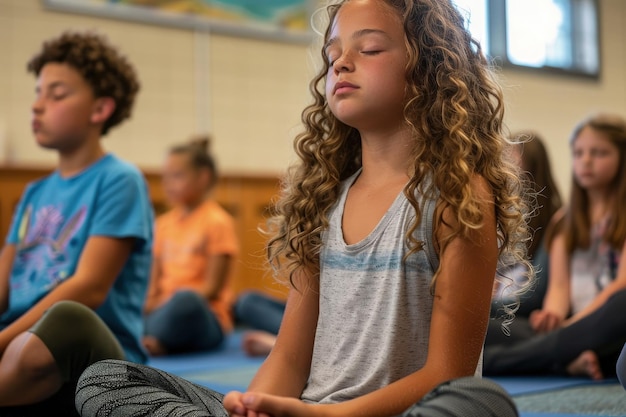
(77,338)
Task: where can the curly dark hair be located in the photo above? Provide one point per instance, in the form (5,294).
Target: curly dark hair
(107,72)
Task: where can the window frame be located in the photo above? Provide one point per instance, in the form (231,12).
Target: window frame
(498,42)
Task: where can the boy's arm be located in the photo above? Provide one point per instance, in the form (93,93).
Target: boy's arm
(99,265)
(7,256)
(6,263)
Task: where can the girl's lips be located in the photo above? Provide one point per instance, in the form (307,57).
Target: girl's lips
(344,87)
(36,125)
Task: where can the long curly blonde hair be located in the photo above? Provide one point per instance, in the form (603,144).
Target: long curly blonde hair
(455,112)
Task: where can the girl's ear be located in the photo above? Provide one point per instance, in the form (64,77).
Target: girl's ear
(206,176)
(103,109)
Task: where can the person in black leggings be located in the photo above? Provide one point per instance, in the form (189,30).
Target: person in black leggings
(602,332)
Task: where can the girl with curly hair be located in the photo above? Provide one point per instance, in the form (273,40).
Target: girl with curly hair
(389,230)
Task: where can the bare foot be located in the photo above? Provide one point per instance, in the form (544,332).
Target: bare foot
(153,346)
(587,364)
(258,343)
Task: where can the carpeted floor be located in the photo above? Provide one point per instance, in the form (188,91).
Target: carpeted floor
(223,370)
(229,368)
(608,399)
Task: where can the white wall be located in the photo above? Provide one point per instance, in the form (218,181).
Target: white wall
(553,105)
(249,93)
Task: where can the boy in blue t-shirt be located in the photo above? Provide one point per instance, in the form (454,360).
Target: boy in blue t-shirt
(81,238)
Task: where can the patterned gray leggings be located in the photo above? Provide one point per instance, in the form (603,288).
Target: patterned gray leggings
(114,388)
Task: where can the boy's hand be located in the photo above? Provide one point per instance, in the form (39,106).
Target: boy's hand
(253,404)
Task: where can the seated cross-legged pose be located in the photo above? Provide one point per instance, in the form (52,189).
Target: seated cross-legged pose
(189,301)
(75,267)
(581,326)
(390,228)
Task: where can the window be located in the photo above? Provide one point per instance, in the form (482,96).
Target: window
(555,35)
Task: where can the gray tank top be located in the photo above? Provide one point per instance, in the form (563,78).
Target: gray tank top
(374,307)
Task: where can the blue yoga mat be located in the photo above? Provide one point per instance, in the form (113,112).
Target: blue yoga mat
(523,414)
(224,369)
(519,385)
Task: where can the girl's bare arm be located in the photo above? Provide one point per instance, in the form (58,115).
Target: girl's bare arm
(286,369)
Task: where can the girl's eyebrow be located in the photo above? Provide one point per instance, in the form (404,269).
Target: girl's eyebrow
(356,35)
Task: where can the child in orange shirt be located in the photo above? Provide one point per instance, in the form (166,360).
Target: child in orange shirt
(189,300)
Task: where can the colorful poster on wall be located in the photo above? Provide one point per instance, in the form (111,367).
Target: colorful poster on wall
(277,19)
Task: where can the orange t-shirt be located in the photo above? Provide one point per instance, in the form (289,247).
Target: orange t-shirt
(183,245)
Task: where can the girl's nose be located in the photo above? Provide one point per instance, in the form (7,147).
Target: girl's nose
(586,158)
(343,64)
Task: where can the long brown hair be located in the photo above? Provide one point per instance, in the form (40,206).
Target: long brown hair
(577,221)
(546,199)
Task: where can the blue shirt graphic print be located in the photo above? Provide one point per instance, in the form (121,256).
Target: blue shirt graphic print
(48,240)
(51,226)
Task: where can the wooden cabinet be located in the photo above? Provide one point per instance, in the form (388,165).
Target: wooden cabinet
(246,197)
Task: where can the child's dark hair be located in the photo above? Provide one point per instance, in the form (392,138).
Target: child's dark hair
(577,224)
(199,155)
(107,72)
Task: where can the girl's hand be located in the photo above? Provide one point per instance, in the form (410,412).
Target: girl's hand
(233,404)
(543,321)
(253,404)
